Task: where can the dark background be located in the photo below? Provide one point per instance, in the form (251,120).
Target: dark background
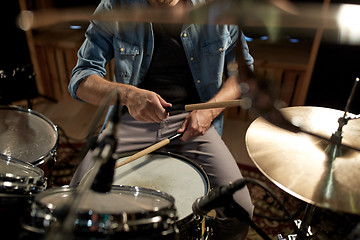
(335,70)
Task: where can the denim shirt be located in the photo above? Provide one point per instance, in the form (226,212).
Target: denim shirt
(209,48)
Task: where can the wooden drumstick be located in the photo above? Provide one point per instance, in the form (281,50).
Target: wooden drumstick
(198,106)
(148,150)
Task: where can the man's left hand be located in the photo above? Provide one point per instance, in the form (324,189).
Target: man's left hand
(196,124)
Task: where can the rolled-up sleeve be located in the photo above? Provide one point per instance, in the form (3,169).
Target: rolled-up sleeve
(95,52)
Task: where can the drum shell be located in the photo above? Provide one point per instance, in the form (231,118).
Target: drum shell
(19,183)
(12,209)
(115,224)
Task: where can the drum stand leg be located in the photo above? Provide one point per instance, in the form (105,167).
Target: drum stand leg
(305,223)
(304,231)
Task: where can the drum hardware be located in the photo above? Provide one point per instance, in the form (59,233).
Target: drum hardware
(298,223)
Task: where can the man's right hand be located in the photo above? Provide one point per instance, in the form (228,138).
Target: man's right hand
(146,106)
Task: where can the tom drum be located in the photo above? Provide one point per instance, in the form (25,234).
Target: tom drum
(28,136)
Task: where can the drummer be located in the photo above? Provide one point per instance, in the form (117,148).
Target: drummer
(158,66)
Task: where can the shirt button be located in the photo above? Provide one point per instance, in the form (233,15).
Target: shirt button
(198,81)
(192,59)
(185,35)
(122,49)
(220,49)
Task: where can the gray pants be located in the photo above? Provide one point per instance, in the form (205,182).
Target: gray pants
(209,151)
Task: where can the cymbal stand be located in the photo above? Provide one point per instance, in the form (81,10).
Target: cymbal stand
(333,150)
(304,224)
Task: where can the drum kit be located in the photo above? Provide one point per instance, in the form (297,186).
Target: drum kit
(138,205)
(318,163)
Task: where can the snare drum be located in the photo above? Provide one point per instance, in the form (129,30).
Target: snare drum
(125,212)
(28,136)
(19,182)
(171,173)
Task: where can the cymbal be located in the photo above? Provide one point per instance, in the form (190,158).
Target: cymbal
(309,167)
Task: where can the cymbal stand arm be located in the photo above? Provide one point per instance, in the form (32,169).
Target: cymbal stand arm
(337,136)
(348,104)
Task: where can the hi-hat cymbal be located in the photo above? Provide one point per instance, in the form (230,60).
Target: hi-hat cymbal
(309,167)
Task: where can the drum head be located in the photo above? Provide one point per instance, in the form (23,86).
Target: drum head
(170,173)
(26,135)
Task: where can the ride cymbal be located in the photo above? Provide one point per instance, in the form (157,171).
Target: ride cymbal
(309,167)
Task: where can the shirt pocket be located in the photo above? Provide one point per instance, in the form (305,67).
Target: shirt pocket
(126,54)
(215,47)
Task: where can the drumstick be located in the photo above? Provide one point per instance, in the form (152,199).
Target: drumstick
(148,150)
(198,106)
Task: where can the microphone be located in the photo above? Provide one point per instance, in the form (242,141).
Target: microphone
(104,151)
(217,197)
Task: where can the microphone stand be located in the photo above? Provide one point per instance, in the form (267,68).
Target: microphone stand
(223,197)
(66,214)
(233,209)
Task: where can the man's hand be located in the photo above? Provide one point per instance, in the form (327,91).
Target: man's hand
(146,106)
(196,124)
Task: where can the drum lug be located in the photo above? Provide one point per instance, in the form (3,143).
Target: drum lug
(53,155)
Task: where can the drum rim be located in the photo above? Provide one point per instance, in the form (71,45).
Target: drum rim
(52,151)
(11,182)
(67,188)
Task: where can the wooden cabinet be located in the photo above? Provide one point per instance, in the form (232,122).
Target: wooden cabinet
(56,55)
(53,52)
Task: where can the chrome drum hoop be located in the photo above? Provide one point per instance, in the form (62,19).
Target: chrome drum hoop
(117,218)
(20,178)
